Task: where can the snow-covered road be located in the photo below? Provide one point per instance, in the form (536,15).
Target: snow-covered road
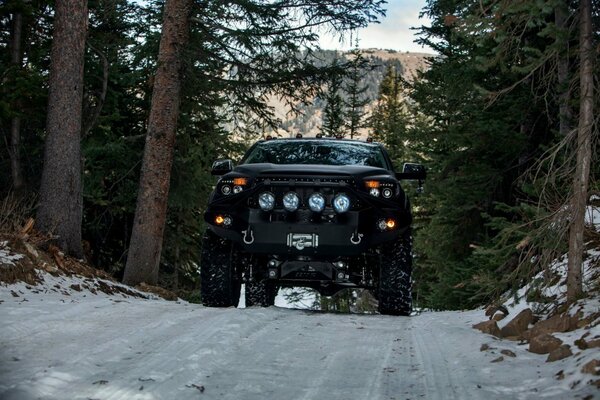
(85,346)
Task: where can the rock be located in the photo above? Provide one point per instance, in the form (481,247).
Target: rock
(581,344)
(508,353)
(484,347)
(490,327)
(560,375)
(557,323)
(544,343)
(518,324)
(592,344)
(563,351)
(592,367)
(499,359)
(496,312)
(499,316)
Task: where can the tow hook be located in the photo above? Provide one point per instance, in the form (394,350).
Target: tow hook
(248,236)
(356,238)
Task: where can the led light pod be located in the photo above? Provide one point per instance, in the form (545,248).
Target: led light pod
(266,201)
(341,203)
(316,202)
(291,201)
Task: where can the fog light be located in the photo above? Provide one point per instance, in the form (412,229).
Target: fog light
(266,201)
(341,203)
(291,201)
(386,224)
(316,202)
(272,273)
(340,275)
(227,221)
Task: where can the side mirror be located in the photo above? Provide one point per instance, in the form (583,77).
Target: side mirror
(414,172)
(221,167)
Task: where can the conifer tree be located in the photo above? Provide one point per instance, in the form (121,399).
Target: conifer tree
(60,209)
(355,91)
(333,112)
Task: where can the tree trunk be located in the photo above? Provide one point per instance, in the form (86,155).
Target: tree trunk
(60,208)
(16,60)
(150,215)
(565,115)
(584,153)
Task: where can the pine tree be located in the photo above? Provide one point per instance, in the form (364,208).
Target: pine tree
(355,90)
(584,153)
(389,119)
(333,112)
(151,211)
(60,208)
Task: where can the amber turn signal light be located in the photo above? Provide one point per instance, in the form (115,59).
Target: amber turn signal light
(372,184)
(240,181)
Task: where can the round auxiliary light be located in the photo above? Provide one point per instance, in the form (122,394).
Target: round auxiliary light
(266,201)
(237,189)
(374,192)
(341,203)
(382,225)
(226,190)
(387,193)
(316,202)
(291,201)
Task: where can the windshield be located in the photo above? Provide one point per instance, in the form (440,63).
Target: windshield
(323,152)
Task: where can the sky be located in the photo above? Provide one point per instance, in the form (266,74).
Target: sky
(392,33)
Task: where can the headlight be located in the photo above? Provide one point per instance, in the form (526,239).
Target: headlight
(341,203)
(233,185)
(384,188)
(316,202)
(373,192)
(266,201)
(291,201)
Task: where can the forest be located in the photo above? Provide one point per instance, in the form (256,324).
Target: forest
(112,111)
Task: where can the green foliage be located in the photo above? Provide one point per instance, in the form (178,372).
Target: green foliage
(484,130)
(356,91)
(333,113)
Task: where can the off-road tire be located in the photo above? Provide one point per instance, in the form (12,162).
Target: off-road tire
(260,292)
(395,268)
(220,281)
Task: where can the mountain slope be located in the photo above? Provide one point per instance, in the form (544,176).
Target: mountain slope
(309,121)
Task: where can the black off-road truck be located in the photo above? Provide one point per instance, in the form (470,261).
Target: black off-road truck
(323,213)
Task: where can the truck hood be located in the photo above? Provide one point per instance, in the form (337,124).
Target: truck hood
(268,170)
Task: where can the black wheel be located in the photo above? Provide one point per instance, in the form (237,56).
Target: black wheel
(395,268)
(260,292)
(220,281)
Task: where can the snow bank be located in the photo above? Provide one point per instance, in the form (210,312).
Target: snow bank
(7,256)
